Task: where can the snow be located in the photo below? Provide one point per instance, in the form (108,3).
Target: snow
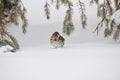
(83,61)
(84,57)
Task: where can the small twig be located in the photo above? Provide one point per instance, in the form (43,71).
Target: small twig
(99,26)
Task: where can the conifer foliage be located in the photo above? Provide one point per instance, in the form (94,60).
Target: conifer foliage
(109,12)
(68,26)
(106,12)
(10,12)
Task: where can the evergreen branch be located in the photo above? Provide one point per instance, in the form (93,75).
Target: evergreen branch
(109,7)
(25,22)
(9,13)
(14,18)
(68,26)
(57,4)
(99,26)
(47,10)
(116,35)
(83,15)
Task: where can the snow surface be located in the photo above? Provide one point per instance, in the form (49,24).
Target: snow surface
(84,61)
(78,60)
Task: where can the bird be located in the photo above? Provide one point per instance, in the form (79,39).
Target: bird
(57,40)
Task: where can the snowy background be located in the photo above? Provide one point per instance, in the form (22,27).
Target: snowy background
(40,29)
(85,55)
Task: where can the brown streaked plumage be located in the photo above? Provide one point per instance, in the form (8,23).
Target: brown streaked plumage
(57,40)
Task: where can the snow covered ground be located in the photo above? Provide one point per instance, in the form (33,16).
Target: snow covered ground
(80,59)
(83,61)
